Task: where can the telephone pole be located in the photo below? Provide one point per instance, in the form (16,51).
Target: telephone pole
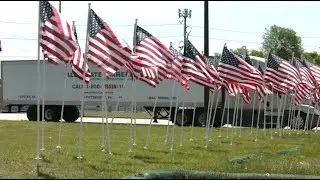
(186,13)
(206,49)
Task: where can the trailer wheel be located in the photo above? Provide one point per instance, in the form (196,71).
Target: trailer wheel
(201,118)
(51,113)
(71,113)
(32,113)
(186,119)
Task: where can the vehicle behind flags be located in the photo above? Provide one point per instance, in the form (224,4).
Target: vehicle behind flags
(106,51)
(280,75)
(77,62)
(56,40)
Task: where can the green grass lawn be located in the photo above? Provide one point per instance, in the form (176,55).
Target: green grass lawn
(18,152)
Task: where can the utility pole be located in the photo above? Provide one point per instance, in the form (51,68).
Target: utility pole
(206,49)
(59,6)
(186,13)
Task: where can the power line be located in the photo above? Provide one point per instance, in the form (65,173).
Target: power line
(157,25)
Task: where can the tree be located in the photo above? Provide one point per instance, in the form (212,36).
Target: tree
(257,53)
(312,57)
(282,42)
(241,50)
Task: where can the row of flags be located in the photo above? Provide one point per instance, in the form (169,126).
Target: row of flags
(152,62)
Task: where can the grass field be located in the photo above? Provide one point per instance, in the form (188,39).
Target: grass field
(18,152)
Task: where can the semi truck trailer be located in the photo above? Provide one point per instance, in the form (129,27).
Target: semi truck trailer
(19,88)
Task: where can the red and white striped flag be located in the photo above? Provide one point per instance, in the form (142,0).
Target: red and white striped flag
(106,51)
(315,71)
(152,52)
(280,74)
(57,40)
(77,62)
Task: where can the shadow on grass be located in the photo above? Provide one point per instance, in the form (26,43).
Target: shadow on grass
(44,159)
(146,159)
(46,176)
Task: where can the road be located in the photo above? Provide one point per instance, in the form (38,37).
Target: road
(23,117)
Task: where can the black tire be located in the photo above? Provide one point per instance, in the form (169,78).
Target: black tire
(71,113)
(200,119)
(32,113)
(51,113)
(186,119)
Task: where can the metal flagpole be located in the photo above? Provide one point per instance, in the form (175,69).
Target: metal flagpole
(317,123)
(118,101)
(253,107)
(38,93)
(131,122)
(311,123)
(150,123)
(103,98)
(214,114)
(258,120)
(135,121)
(209,121)
(170,110)
(284,106)
(282,102)
(58,147)
(43,103)
(83,88)
(237,114)
(223,112)
(181,128)
(265,114)
(272,98)
(290,114)
(193,117)
(208,111)
(210,105)
(175,119)
(233,118)
(307,117)
(228,117)
(241,117)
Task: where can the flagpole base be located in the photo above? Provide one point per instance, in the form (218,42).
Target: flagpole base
(58,148)
(191,139)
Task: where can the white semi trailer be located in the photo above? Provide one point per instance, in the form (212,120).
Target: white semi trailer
(19,89)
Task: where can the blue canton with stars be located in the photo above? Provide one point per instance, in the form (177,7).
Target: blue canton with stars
(96,24)
(174,51)
(46,11)
(229,58)
(141,35)
(247,59)
(306,63)
(297,63)
(274,61)
(191,52)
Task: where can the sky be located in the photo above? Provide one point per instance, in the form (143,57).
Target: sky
(237,23)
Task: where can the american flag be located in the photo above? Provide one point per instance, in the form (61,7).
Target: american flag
(152,52)
(262,90)
(308,84)
(195,69)
(78,63)
(106,51)
(280,74)
(192,53)
(176,68)
(57,40)
(315,71)
(149,75)
(233,69)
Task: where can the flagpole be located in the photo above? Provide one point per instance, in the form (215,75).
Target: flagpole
(181,127)
(241,113)
(170,110)
(103,143)
(150,123)
(193,117)
(209,118)
(253,107)
(43,104)
(233,118)
(272,112)
(258,119)
(175,119)
(223,111)
(214,114)
(84,87)
(58,147)
(38,92)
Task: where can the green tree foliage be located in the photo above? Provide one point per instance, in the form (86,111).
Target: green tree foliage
(282,42)
(313,57)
